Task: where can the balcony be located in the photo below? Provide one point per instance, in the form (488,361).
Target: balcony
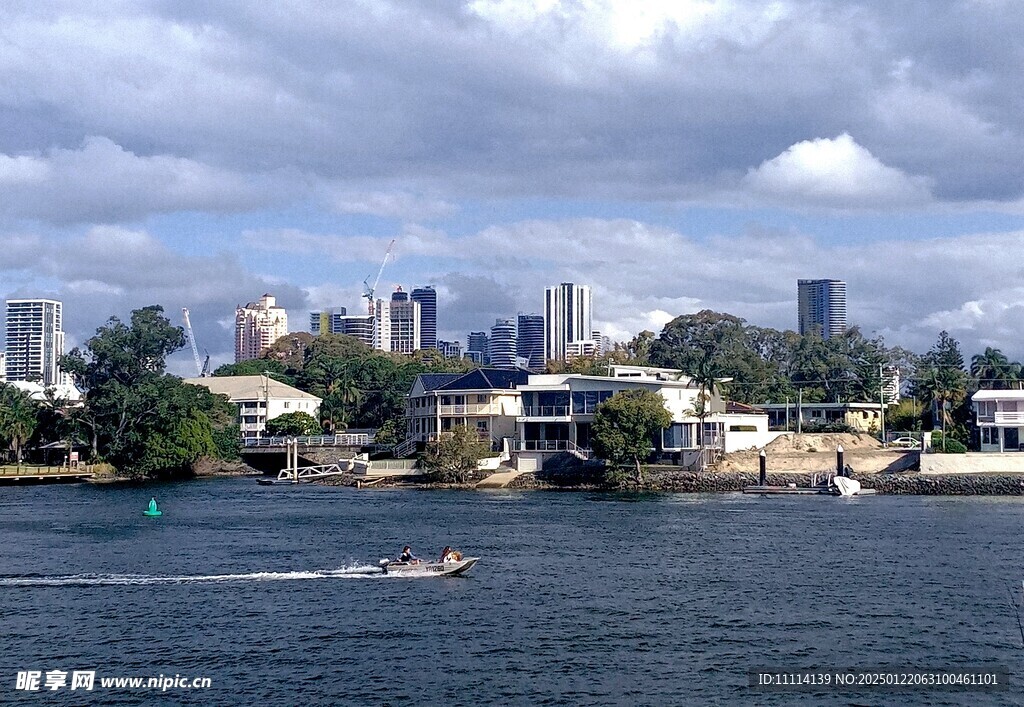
(1006,419)
(469,409)
(546,412)
(550,445)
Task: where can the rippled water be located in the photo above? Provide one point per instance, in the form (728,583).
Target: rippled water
(579,598)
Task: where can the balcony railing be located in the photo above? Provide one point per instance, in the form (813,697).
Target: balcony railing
(1008,419)
(546,411)
(549,445)
(469,409)
(338,440)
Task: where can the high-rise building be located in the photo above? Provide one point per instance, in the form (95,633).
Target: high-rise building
(450,349)
(821,306)
(502,344)
(257,326)
(530,341)
(427,297)
(382,325)
(336,320)
(3,366)
(399,295)
(567,318)
(35,341)
(405,325)
(329,321)
(604,343)
(477,346)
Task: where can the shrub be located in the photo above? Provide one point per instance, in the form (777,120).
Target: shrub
(952,446)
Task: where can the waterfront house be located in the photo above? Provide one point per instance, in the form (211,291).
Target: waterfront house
(999,416)
(485,399)
(558,412)
(548,414)
(861,417)
(259,398)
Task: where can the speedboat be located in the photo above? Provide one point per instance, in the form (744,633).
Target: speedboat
(428,568)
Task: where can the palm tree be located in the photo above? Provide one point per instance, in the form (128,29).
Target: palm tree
(706,373)
(17,418)
(992,369)
(942,387)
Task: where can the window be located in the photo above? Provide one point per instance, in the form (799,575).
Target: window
(287,405)
(481,399)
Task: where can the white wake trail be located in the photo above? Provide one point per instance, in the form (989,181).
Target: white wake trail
(99,580)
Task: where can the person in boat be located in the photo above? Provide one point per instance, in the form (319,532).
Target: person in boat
(407,555)
(449,555)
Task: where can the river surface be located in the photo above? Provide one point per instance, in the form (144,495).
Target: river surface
(580,598)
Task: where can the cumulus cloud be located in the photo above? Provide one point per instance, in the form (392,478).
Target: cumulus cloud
(102,182)
(490,99)
(388,204)
(835,173)
(110,271)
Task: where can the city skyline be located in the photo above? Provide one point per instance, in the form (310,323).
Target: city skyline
(658,159)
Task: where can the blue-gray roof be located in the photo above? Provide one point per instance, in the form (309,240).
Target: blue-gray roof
(487,379)
(433,381)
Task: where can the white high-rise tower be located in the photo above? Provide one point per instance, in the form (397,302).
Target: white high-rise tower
(35,340)
(567,318)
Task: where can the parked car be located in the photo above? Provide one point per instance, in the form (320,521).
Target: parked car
(905,443)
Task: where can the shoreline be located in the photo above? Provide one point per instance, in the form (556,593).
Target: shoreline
(977,484)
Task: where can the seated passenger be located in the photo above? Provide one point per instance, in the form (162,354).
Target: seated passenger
(447,555)
(407,555)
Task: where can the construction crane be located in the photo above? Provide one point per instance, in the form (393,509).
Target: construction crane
(201,369)
(368,289)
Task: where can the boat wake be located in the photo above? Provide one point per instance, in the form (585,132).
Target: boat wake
(100,580)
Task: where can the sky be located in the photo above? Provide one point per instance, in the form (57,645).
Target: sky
(676,155)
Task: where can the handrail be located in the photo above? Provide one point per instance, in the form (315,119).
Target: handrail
(338,440)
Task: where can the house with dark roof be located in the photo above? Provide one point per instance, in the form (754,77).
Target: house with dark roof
(484,399)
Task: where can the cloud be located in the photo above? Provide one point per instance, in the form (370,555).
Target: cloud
(489,99)
(102,182)
(388,204)
(835,173)
(110,271)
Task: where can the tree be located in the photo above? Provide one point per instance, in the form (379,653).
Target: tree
(293,424)
(174,451)
(256,367)
(624,427)
(942,381)
(453,456)
(993,370)
(18,418)
(140,419)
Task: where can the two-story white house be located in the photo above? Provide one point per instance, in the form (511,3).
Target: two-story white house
(558,412)
(999,415)
(485,399)
(259,398)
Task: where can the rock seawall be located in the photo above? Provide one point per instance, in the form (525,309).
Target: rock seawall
(731,482)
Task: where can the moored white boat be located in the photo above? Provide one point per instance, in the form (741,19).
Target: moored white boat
(428,568)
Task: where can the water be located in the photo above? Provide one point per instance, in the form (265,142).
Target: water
(579,598)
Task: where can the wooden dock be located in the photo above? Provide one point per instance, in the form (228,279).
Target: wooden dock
(789,490)
(27,474)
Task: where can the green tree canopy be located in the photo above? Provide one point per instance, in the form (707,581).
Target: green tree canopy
(624,427)
(993,370)
(453,456)
(18,418)
(293,424)
(140,419)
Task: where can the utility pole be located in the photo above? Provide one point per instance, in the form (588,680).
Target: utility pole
(799,410)
(881,398)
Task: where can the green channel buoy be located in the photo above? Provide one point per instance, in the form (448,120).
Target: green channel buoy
(152,510)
